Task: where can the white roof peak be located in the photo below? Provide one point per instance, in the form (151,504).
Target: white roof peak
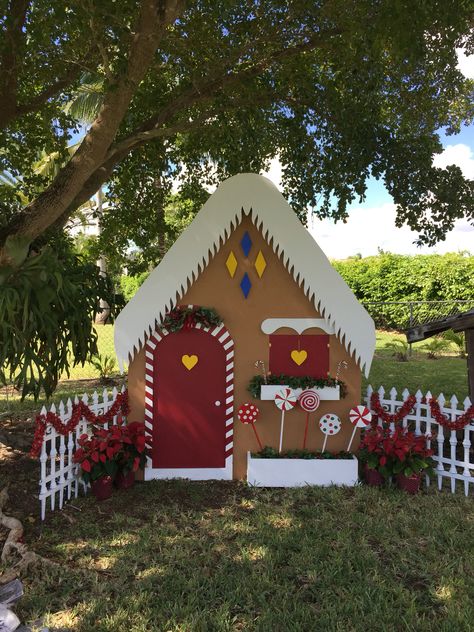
(254,195)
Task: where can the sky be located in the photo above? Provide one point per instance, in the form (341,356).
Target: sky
(371,225)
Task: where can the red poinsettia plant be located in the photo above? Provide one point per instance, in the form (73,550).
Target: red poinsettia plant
(97,453)
(132,456)
(107,451)
(395,451)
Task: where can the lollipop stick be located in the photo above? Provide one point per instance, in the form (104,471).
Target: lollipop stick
(305,431)
(282,424)
(325,441)
(257,437)
(352,438)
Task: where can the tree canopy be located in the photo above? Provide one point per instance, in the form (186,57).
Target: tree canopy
(194,91)
(340,90)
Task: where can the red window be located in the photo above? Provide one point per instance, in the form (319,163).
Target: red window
(299,355)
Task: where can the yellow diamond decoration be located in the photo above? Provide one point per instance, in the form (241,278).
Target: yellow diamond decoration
(231,264)
(260,264)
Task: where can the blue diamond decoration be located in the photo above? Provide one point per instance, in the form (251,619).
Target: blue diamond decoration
(246,243)
(245,285)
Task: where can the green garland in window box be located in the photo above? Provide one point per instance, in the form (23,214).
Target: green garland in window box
(184,317)
(272,453)
(303,382)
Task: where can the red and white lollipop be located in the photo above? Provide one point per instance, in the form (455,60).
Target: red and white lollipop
(248,414)
(285,400)
(329,424)
(360,417)
(309,402)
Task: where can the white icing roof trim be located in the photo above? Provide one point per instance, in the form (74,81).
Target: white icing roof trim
(301,255)
(270,325)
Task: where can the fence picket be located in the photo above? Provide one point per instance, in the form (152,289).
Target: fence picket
(70,451)
(43,460)
(75,434)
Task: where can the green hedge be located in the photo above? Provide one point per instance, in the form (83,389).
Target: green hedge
(390,277)
(387,278)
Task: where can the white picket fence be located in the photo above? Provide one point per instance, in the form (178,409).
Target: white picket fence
(59,476)
(452,449)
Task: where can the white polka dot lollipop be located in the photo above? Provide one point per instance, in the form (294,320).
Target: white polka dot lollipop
(329,424)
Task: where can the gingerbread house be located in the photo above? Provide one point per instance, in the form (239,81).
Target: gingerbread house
(244,299)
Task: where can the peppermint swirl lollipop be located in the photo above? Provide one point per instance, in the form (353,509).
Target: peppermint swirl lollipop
(360,417)
(285,400)
(309,402)
(329,424)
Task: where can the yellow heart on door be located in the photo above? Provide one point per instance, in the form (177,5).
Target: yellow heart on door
(189,361)
(299,357)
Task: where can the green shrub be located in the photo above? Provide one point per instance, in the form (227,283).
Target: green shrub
(130,284)
(388,277)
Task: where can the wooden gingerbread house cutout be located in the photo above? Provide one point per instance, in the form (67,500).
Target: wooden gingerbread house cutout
(247,256)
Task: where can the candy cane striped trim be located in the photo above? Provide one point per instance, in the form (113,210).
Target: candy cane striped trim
(223,336)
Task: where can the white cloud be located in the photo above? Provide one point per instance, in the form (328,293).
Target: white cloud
(465,63)
(460,155)
(274,172)
(370,228)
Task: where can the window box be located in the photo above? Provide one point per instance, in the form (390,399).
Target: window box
(268,391)
(301,472)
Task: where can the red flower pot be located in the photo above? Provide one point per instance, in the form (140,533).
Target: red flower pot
(373,477)
(102,488)
(409,484)
(125,481)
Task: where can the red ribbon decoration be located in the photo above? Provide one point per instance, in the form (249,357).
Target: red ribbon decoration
(387,417)
(79,411)
(461,422)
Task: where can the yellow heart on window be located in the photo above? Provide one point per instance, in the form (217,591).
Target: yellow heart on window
(299,357)
(189,361)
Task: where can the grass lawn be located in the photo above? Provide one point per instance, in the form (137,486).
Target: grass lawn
(212,556)
(447,374)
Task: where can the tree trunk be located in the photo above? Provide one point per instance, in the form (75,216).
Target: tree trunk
(103,315)
(48,207)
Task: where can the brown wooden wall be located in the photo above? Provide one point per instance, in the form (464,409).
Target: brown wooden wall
(275,295)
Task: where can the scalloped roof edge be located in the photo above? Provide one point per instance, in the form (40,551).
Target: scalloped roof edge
(257,196)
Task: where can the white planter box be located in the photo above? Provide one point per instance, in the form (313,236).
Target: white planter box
(268,391)
(301,472)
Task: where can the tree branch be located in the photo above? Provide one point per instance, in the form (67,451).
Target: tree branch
(13,38)
(199,94)
(94,161)
(53,89)
(154,17)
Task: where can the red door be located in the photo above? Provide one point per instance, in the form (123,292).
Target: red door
(189,401)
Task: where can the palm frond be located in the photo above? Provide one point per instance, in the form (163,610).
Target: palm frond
(85,105)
